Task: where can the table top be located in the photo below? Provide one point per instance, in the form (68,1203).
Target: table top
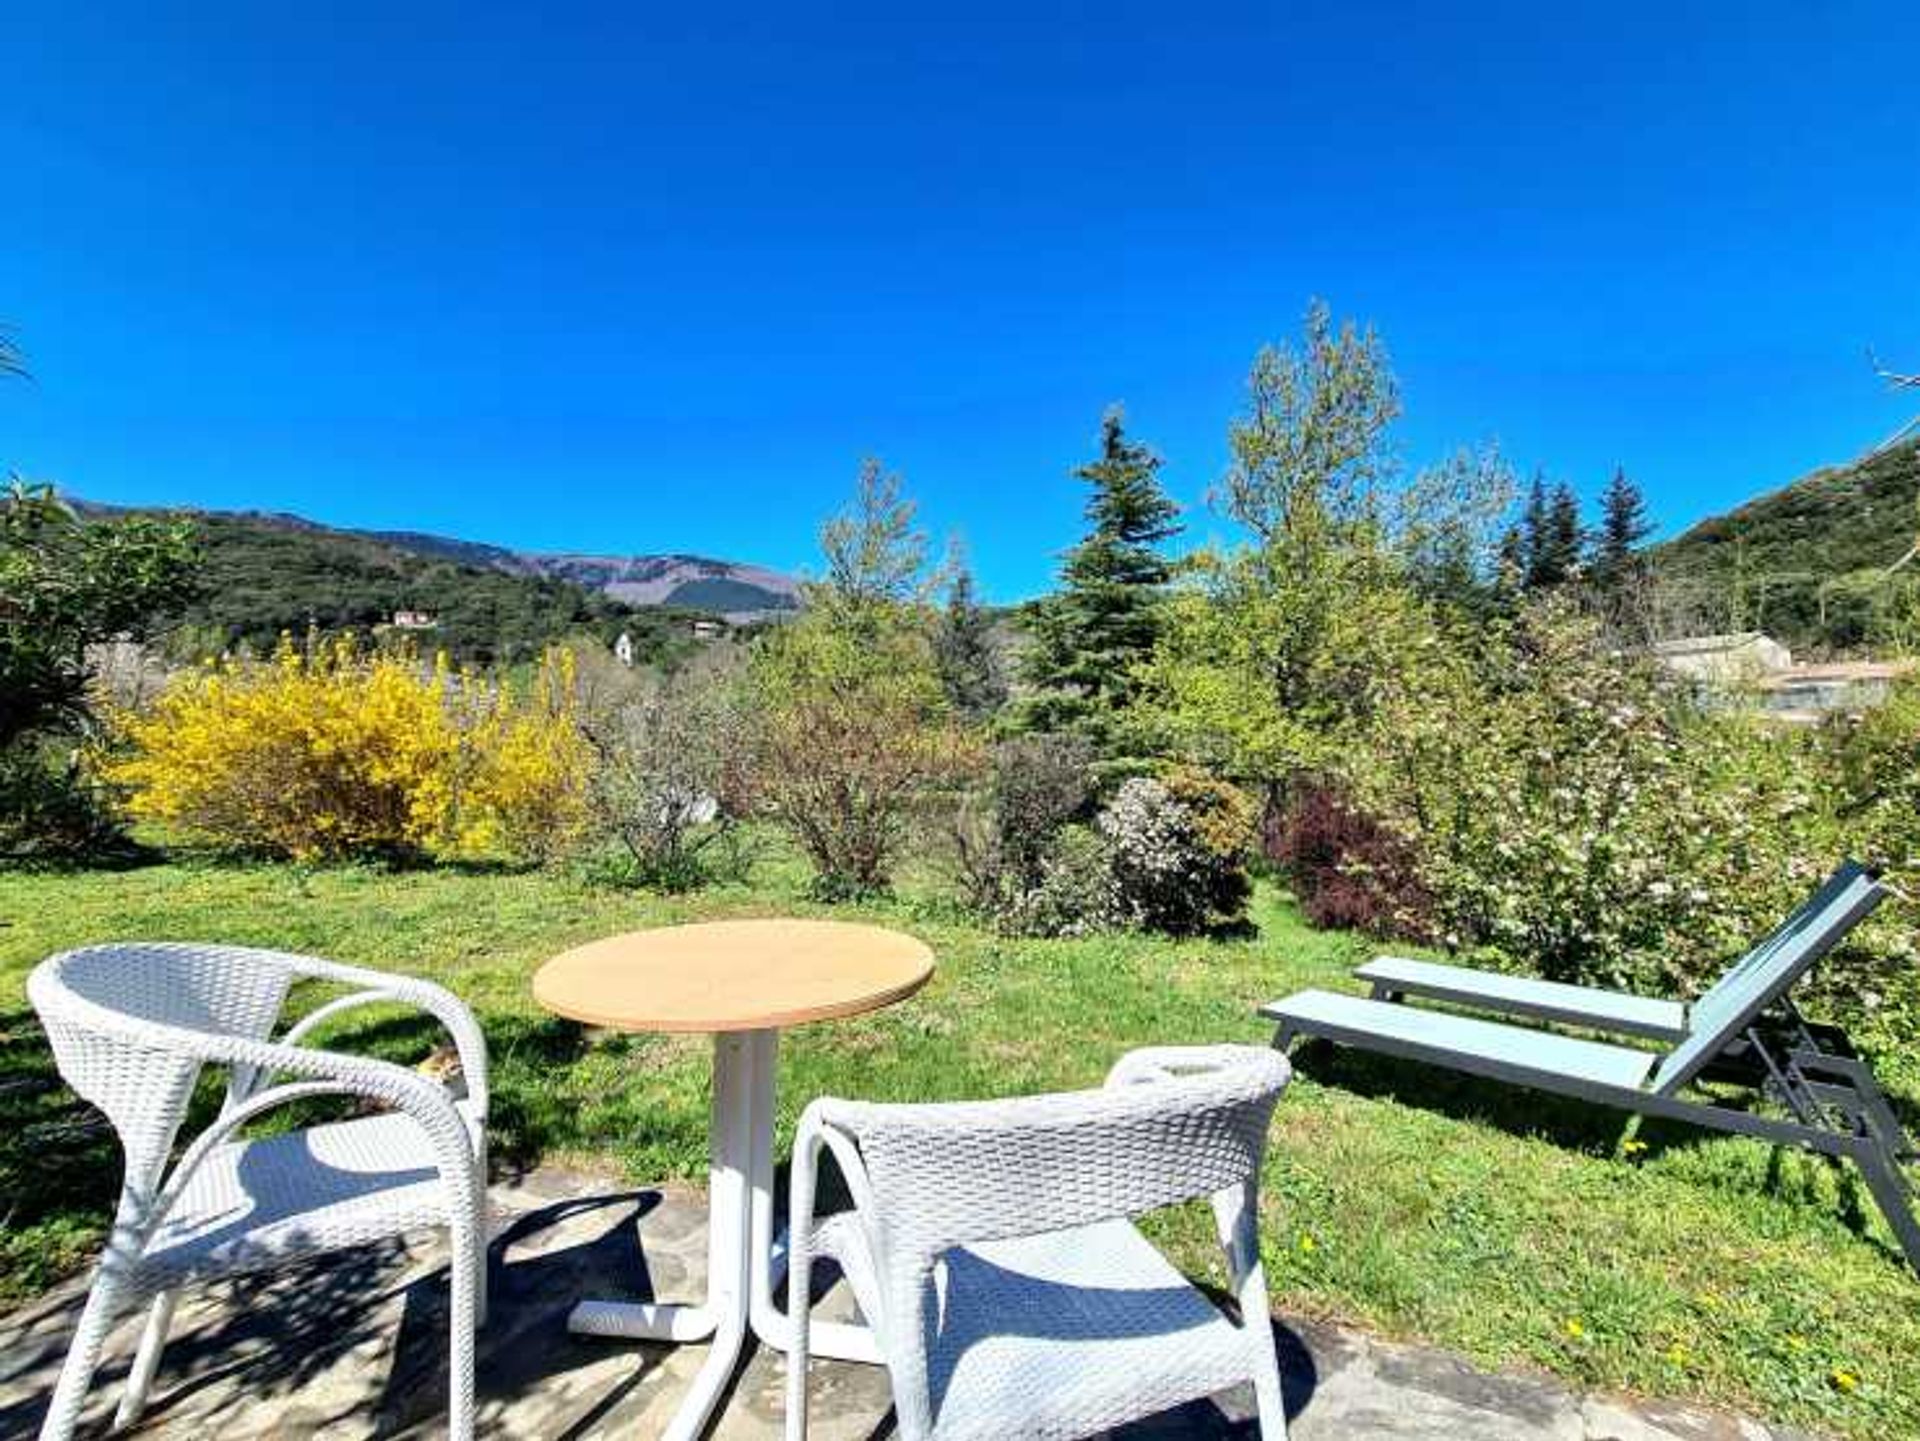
(733,975)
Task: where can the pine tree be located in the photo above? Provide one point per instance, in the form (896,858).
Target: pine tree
(1088,637)
(963,646)
(1623,525)
(1534,520)
(1510,565)
(1550,534)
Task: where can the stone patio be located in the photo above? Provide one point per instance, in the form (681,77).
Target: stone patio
(355,1347)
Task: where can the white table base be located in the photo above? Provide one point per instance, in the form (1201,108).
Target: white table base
(745,1260)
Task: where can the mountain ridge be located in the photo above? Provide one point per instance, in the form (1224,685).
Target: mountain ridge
(740,591)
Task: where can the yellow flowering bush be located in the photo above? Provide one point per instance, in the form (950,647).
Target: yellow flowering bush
(524,760)
(326,751)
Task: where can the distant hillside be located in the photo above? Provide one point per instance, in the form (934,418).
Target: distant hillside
(1806,563)
(265,574)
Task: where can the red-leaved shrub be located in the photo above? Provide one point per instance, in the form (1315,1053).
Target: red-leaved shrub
(1349,871)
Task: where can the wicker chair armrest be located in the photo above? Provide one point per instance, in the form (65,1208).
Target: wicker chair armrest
(443,1005)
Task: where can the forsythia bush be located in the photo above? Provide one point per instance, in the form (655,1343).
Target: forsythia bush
(328,752)
(524,766)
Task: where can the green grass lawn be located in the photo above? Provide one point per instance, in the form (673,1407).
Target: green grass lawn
(1515,1229)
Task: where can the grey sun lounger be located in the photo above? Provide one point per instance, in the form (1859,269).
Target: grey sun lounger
(1745,1029)
(1395,978)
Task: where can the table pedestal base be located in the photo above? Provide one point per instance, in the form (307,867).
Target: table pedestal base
(745,1260)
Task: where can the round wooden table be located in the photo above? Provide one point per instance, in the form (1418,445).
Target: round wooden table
(741,981)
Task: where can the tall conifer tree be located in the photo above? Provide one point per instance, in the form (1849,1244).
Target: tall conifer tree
(1624,524)
(1089,636)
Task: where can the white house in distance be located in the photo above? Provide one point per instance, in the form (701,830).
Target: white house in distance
(623,649)
(1758,667)
(1724,660)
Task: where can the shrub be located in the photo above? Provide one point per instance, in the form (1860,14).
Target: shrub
(1574,809)
(325,752)
(49,808)
(1003,836)
(851,730)
(1178,850)
(673,774)
(1074,893)
(1349,869)
(522,765)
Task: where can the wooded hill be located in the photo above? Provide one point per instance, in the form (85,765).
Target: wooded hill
(265,575)
(1808,563)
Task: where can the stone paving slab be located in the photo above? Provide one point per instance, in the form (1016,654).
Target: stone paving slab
(355,1347)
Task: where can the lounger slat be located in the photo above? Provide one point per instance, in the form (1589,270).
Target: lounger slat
(1484,1047)
(1523,996)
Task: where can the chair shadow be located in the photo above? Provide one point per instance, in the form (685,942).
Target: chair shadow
(1572,1124)
(275,1335)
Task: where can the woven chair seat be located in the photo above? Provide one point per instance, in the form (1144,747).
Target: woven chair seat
(258,1204)
(1068,1331)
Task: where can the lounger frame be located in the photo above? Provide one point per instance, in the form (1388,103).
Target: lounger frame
(1752,1035)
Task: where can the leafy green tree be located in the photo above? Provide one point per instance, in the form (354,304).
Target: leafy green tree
(1089,638)
(1287,641)
(1311,444)
(65,585)
(851,721)
(1445,527)
(965,652)
(875,551)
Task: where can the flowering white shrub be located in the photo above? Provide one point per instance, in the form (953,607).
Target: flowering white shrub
(1573,808)
(1177,868)
(1075,893)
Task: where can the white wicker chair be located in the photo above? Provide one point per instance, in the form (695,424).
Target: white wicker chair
(131,1026)
(990,1249)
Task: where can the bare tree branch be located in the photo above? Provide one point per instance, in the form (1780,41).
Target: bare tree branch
(13,360)
(1895,381)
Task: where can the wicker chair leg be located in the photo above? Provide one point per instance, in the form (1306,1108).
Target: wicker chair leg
(83,1357)
(483,1231)
(1237,1213)
(1267,1395)
(465,1278)
(153,1340)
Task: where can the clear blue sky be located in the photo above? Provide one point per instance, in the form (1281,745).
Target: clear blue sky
(651,279)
